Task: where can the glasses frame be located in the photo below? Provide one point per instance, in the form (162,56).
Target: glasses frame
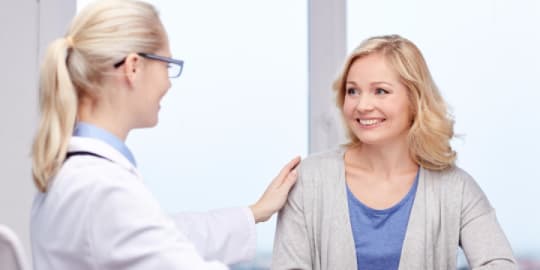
(151,56)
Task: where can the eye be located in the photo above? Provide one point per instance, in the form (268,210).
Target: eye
(351,91)
(380,91)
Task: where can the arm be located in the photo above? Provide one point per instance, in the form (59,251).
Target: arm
(292,242)
(128,230)
(481,236)
(228,235)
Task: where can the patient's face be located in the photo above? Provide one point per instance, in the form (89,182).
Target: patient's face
(376,105)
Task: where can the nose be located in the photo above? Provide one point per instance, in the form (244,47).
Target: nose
(365,103)
(169,85)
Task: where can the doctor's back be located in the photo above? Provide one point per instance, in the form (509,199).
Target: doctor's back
(94,213)
(104,78)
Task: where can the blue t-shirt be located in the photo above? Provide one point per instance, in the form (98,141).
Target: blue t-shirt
(379,234)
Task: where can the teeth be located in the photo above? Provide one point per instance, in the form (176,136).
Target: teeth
(368,122)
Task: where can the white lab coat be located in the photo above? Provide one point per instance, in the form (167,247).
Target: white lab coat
(98,214)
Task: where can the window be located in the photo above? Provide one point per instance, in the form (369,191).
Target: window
(237,113)
(484,57)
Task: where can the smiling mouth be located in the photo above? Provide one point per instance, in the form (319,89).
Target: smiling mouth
(369,122)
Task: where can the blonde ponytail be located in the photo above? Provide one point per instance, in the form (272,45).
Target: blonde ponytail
(101,35)
(58,106)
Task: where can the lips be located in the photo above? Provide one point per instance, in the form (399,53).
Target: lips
(370,122)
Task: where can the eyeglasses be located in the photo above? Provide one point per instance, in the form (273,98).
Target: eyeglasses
(174,66)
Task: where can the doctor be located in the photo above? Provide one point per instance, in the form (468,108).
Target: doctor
(103,79)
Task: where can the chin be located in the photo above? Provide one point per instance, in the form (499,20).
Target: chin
(148,124)
(379,140)
(153,124)
(371,141)
(152,121)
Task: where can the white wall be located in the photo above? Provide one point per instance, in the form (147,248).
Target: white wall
(18,73)
(25,28)
(239,110)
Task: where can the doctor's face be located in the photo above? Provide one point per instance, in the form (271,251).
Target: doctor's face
(152,87)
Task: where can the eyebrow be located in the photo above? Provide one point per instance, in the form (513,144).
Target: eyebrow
(373,83)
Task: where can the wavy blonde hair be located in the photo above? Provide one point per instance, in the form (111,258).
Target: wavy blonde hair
(74,66)
(432,127)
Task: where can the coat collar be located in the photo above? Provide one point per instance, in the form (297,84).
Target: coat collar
(101,148)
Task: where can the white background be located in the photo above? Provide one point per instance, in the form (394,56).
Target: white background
(239,110)
(485,57)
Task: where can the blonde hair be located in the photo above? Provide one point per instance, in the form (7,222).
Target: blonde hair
(101,35)
(432,128)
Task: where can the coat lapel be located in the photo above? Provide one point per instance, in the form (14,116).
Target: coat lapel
(103,149)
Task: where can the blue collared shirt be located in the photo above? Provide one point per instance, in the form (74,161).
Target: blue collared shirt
(83,129)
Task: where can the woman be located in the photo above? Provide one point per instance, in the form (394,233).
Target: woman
(105,78)
(393,197)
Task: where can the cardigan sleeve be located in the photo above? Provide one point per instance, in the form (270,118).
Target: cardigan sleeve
(481,237)
(291,243)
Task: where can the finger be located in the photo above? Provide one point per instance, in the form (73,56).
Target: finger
(290,180)
(290,166)
(295,162)
(285,171)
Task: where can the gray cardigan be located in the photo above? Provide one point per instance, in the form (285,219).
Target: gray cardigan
(449,210)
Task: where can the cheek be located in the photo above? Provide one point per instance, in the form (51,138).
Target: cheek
(164,82)
(166,87)
(403,111)
(348,106)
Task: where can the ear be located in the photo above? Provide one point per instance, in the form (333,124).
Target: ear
(132,67)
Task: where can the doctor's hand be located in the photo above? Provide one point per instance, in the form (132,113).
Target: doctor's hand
(275,195)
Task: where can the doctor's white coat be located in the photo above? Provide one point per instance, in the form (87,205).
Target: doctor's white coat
(97,214)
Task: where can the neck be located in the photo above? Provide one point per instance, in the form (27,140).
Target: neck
(103,115)
(388,159)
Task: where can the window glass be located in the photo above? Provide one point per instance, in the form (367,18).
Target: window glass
(236,114)
(484,57)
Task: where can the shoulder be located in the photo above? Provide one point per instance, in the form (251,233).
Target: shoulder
(450,176)
(110,191)
(454,182)
(453,172)
(94,171)
(321,171)
(323,161)
(88,180)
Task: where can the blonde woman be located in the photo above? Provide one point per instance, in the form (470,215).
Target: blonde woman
(106,77)
(393,197)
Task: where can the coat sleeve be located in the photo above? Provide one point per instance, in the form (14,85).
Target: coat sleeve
(481,237)
(227,235)
(292,242)
(128,230)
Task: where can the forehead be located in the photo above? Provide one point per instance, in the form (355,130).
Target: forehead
(372,67)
